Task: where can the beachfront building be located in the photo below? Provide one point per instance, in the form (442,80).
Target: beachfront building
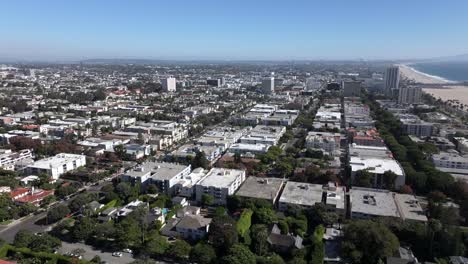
(392,79)
(409,95)
(413,125)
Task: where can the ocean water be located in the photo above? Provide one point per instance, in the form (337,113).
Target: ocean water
(452,71)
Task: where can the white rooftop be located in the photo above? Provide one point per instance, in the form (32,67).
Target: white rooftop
(220,178)
(375,165)
(56,160)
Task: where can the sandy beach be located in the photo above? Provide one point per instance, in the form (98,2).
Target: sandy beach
(419,77)
(457,93)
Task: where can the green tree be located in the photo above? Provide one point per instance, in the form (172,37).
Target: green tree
(318,251)
(314,153)
(126,192)
(363,178)
(99,94)
(284,167)
(207,199)
(223,233)
(389,178)
(57,213)
(367,241)
(180,250)
(79,201)
(200,160)
(264,216)
(284,227)
(156,246)
(96,259)
(203,253)
(272,259)
(319,215)
(120,151)
(23,238)
(128,232)
(84,228)
(244,222)
(141,138)
(239,254)
(220,211)
(44,243)
(260,240)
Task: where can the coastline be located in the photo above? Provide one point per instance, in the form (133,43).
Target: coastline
(446,93)
(420,77)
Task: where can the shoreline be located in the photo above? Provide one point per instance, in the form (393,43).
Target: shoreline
(446,93)
(421,77)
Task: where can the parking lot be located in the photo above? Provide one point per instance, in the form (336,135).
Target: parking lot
(90,253)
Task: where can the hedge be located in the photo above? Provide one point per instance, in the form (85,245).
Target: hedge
(244,222)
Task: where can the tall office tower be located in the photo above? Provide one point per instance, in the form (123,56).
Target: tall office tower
(409,95)
(268,85)
(169,84)
(392,79)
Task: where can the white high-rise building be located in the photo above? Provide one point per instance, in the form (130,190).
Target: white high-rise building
(410,95)
(169,84)
(268,85)
(392,79)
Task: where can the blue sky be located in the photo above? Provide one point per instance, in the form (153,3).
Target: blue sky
(254,29)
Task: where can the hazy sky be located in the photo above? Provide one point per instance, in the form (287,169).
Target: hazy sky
(225,29)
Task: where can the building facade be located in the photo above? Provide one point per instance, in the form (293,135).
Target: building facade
(169,84)
(268,85)
(392,79)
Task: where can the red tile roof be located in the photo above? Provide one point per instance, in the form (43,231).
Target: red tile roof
(18,192)
(36,197)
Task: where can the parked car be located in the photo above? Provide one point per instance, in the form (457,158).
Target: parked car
(127,250)
(117,254)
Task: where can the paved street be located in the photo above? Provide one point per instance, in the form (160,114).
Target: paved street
(8,232)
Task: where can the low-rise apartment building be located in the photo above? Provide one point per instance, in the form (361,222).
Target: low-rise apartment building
(57,165)
(219,183)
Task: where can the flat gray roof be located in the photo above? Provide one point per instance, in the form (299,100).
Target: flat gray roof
(302,193)
(261,188)
(373,202)
(409,207)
